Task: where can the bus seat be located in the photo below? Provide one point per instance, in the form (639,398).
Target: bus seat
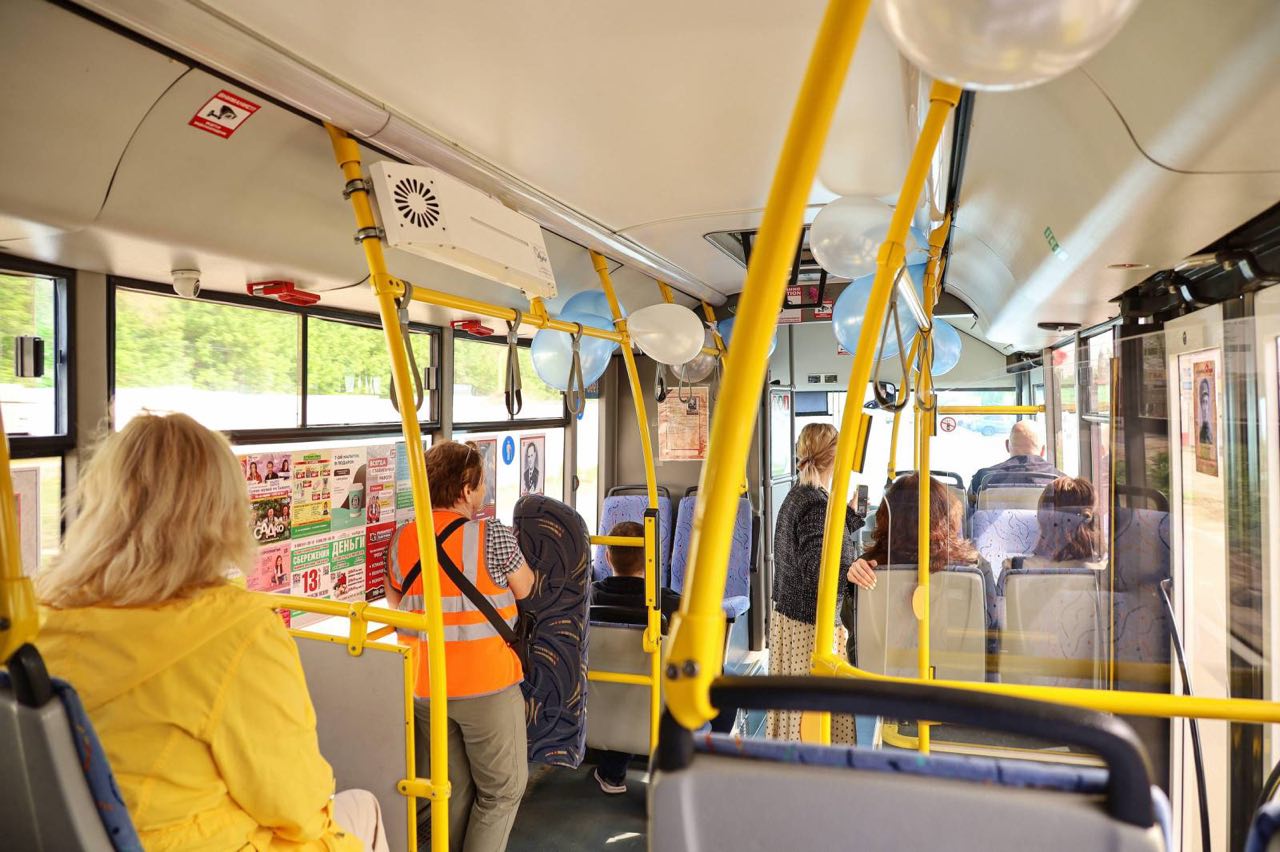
(1053,620)
(737,587)
(553,538)
(961,606)
(1010,496)
(619,507)
(1143,631)
(361,719)
(59,792)
(1264,834)
(1000,534)
(618,713)
(716,792)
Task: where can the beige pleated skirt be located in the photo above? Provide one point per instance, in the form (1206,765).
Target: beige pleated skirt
(791,653)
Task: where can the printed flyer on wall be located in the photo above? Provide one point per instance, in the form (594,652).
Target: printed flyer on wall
(271,518)
(271,574)
(377,548)
(488,448)
(349,487)
(266,473)
(380,485)
(312,493)
(683,425)
(26,493)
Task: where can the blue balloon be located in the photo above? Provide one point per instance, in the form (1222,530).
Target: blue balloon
(552,352)
(920,255)
(849,309)
(592,302)
(725,327)
(946,347)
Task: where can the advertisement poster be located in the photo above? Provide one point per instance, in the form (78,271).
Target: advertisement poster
(377,549)
(533,456)
(266,472)
(347,567)
(26,493)
(380,485)
(780,444)
(404,488)
(1205,388)
(271,518)
(683,425)
(312,492)
(488,448)
(348,489)
(271,574)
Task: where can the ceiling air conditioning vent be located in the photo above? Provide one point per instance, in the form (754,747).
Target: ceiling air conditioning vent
(429,213)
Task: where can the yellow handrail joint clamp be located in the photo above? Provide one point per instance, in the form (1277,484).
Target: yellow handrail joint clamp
(359,634)
(688,685)
(422,788)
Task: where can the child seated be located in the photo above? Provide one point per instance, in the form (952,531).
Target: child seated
(625,588)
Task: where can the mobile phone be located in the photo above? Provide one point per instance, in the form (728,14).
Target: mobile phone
(861,510)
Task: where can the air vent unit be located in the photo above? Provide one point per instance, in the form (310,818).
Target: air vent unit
(429,213)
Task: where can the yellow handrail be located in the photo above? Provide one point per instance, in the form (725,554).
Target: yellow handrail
(347,153)
(618,540)
(990,409)
(18,612)
(653,628)
(698,640)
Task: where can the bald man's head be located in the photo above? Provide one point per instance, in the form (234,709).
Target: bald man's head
(1025,439)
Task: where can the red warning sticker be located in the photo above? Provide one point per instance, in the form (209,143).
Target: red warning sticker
(223,114)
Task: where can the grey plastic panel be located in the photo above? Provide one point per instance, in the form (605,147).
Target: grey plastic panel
(887,628)
(1010,497)
(45,802)
(1053,630)
(730,803)
(360,719)
(617,713)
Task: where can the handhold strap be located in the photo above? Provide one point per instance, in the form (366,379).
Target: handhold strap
(402,313)
(511,390)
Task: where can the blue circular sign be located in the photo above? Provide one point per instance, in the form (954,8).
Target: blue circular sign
(508,450)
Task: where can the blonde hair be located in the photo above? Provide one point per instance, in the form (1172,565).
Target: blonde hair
(160,512)
(816,453)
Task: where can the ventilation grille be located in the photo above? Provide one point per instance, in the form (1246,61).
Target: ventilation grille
(416,202)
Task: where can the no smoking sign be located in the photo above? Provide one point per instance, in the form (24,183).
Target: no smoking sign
(947,424)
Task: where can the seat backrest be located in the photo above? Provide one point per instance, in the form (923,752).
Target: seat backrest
(630,507)
(1264,834)
(1010,496)
(1053,623)
(618,713)
(53,757)
(738,579)
(1000,534)
(887,634)
(1143,631)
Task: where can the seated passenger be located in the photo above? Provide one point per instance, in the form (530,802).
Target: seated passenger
(193,684)
(625,588)
(894,542)
(1026,464)
(1070,528)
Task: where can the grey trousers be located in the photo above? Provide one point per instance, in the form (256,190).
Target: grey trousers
(488,766)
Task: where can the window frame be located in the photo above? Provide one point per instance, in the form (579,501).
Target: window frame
(561,422)
(303,432)
(63,440)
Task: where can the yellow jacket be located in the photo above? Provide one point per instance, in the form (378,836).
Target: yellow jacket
(203,711)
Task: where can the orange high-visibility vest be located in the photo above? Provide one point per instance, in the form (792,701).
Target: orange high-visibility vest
(477,660)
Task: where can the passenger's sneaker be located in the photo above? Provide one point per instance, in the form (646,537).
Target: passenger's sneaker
(608,786)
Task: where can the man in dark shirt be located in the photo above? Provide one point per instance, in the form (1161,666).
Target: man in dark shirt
(1026,464)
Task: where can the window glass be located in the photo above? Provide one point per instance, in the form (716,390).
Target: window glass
(228,367)
(1067,428)
(349,374)
(37,486)
(478,370)
(965,443)
(587,497)
(27,308)
(526,461)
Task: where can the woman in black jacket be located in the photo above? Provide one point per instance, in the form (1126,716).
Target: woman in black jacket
(797,553)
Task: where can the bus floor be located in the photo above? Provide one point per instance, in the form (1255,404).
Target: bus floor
(564,809)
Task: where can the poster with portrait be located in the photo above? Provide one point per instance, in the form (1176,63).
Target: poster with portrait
(271,517)
(266,473)
(312,492)
(533,463)
(271,573)
(683,425)
(26,493)
(488,448)
(348,490)
(380,485)
(1205,389)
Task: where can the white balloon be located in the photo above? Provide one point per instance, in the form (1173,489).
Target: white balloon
(697,369)
(669,334)
(994,45)
(845,236)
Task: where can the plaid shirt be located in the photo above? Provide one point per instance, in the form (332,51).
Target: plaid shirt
(501,552)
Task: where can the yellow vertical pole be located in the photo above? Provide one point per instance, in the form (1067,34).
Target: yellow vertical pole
(653,626)
(347,153)
(943,98)
(17,595)
(668,295)
(698,641)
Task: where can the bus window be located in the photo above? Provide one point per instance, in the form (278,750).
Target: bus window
(349,376)
(587,497)
(967,442)
(478,367)
(227,366)
(27,308)
(1067,427)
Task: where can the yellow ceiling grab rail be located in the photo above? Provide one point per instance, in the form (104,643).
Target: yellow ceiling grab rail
(990,409)
(698,629)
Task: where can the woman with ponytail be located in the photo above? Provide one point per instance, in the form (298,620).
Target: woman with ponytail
(797,555)
(1070,526)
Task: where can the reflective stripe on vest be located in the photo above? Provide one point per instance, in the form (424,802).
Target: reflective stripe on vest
(477,660)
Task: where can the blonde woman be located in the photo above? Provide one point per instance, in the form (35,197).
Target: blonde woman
(797,551)
(193,684)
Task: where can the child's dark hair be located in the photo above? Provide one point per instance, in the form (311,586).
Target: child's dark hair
(627,561)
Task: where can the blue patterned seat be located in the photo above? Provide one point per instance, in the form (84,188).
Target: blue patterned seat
(737,587)
(1053,630)
(1264,834)
(630,507)
(1001,534)
(1143,631)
